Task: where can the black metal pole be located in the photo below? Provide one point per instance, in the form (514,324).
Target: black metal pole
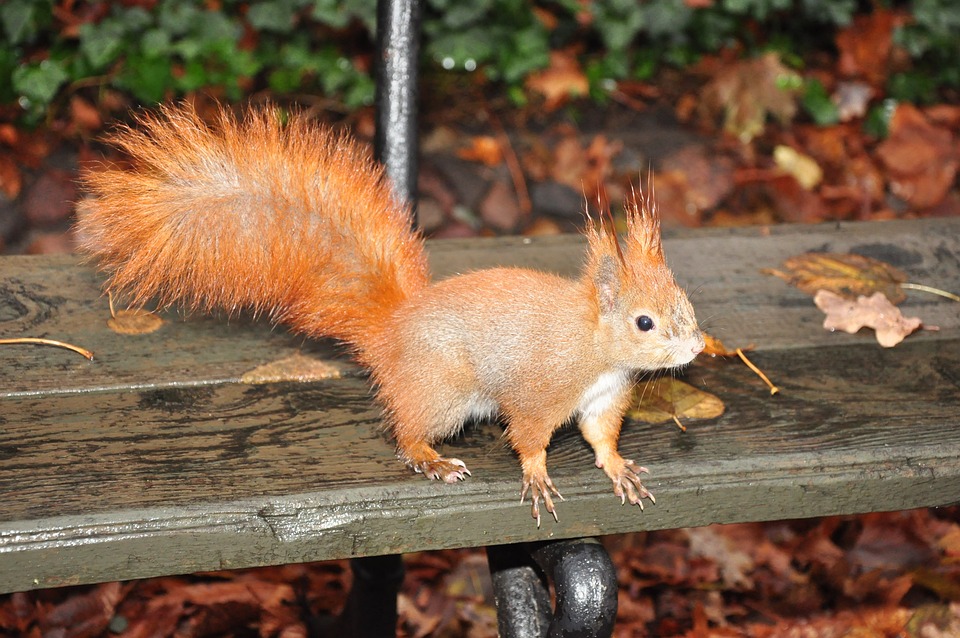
(398,47)
(371,610)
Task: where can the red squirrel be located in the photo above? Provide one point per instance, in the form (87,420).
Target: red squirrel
(293,221)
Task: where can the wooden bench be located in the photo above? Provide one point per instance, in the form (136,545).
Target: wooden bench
(158,458)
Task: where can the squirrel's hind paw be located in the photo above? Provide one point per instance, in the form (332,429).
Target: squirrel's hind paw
(446,470)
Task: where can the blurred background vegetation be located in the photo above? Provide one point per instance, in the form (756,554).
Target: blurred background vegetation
(151,50)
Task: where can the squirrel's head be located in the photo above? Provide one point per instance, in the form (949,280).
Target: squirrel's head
(644,316)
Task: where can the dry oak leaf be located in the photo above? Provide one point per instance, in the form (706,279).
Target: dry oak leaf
(667,399)
(874,311)
(845,274)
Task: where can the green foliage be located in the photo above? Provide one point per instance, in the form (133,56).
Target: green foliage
(877,122)
(933,41)
(817,103)
(162,49)
(179,46)
(502,37)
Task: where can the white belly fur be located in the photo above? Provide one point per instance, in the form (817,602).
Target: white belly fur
(480,408)
(600,396)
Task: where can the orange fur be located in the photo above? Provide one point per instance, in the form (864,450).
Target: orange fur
(289,220)
(285,219)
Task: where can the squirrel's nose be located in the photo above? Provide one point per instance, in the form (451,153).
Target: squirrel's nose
(699,345)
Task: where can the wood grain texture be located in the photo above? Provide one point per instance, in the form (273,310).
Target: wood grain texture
(154,459)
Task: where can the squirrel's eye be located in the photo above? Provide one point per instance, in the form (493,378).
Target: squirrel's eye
(645,323)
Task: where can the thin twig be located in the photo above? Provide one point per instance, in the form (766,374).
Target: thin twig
(773,389)
(49,342)
(676,420)
(931,290)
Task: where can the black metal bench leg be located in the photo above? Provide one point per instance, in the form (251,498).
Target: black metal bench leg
(371,608)
(520,592)
(584,580)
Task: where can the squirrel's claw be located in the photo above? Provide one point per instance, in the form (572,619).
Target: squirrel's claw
(540,487)
(443,469)
(627,485)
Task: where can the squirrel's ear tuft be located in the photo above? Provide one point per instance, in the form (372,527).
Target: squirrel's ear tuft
(643,222)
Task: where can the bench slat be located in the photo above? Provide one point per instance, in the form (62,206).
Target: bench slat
(167,465)
(52,296)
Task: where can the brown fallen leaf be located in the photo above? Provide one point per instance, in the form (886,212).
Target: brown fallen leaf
(716,348)
(865,45)
(85,615)
(667,399)
(559,82)
(847,275)
(484,149)
(11,179)
(850,276)
(921,158)
(874,311)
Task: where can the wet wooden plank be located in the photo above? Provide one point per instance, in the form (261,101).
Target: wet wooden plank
(145,482)
(56,298)
(153,460)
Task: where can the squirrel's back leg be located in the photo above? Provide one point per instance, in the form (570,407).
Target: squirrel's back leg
(420,419)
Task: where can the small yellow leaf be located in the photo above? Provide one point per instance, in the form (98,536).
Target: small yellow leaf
(803,167)
(667,399)
(135,321)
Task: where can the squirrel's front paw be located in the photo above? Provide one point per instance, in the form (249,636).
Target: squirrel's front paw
(627,485)
(446,470)
(540,487)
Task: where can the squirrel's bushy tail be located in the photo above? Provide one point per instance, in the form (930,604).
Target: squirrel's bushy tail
(284,218)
